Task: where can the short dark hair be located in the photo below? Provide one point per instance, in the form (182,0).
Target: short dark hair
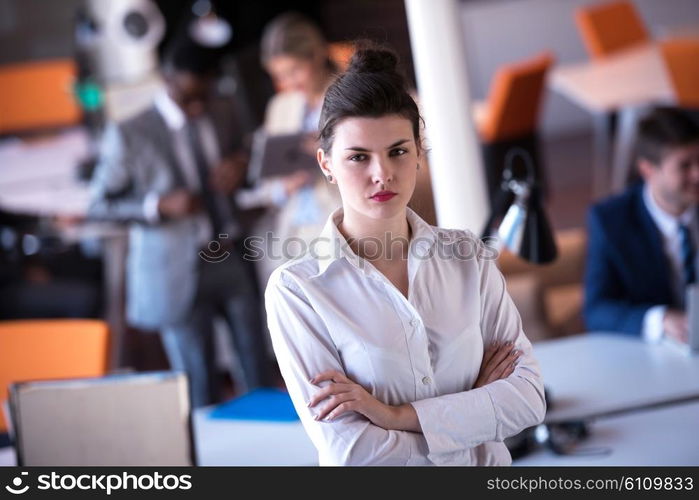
(186,56)
(371,87)
(664,128)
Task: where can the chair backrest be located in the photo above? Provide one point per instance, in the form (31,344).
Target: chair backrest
(609,27)
(340,53)
(140,419)
(514,99)
(37,95)
(50,349)
(682,61)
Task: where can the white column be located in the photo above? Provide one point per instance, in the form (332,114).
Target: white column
(458,179)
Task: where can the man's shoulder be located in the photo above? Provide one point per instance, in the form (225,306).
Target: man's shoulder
(619,206)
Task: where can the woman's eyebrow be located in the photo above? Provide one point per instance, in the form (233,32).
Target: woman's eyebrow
(364,150)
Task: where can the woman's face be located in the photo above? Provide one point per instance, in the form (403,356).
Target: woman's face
(374,163)
(295,73)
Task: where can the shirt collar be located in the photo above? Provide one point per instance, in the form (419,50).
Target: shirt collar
(332,246)
(667,223)
(170,111)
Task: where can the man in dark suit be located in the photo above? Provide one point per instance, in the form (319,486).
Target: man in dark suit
(171,172)
(641,252)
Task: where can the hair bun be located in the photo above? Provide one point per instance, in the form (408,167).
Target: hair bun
(373,59)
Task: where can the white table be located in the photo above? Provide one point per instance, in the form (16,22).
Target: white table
(224,442)
(628,82)
(663,437)
(39,176)
(597,374)
(241,442)
(590,376)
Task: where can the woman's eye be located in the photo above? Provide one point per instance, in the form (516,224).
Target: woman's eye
(358,157)
(398,152)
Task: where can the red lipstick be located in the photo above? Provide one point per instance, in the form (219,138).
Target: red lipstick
(383,196)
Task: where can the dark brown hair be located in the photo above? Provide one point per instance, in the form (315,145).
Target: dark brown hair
(371,87)
(663,128)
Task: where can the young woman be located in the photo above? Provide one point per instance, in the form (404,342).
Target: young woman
(397,340)
(295,54)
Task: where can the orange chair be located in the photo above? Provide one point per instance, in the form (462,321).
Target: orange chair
(37,95)
(50,349)
(682,61)
(509,118)
(512,107)
(340,53)
(609,27)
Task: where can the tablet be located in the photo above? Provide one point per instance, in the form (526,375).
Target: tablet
(275,155)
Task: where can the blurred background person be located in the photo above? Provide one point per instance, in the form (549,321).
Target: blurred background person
(172,171)
(296,55)
(642,242)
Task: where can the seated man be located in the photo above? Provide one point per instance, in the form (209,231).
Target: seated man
(642,242)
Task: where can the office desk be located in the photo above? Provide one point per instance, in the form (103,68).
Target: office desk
(239,442)
(626,82)
(630,77)
(588,375)
(598,374)
(591,376)
(39,178)
(662,436)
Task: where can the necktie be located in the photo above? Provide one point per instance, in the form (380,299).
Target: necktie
(207,194)
(687,255)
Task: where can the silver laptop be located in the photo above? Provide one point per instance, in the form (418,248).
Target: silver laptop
(138,419)
(692,301)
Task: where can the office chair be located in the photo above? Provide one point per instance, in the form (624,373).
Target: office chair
(510,117)
(610,27)
(38,95)
(50,349)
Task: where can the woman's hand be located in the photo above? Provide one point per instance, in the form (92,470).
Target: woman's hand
(342,395)
(499,362)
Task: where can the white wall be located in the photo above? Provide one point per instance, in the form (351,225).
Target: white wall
(501,31)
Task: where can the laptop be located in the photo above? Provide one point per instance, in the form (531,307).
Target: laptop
(278,155)
(140,419)
(692,302)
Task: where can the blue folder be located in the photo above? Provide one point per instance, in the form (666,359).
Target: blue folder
(267,404)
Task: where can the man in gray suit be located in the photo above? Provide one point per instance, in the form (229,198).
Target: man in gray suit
(171,173)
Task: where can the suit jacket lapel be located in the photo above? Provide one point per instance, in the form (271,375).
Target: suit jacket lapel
(163,140)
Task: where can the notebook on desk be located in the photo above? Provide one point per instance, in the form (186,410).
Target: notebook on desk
(264,404)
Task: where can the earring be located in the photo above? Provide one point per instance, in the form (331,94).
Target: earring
(330,178)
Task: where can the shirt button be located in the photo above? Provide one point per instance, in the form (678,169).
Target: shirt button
(413,322)
(426,380)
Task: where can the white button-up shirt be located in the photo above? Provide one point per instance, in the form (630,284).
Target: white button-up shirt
(333,310)
(669,228)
